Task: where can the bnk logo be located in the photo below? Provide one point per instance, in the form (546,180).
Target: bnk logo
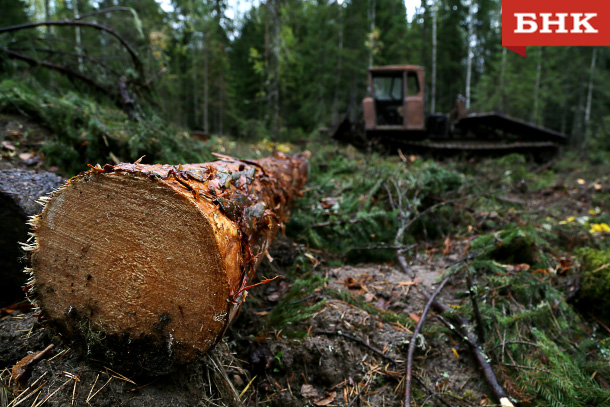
(555,23)
(527,23)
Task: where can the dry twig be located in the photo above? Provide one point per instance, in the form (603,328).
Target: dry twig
(414,341)
(465,332)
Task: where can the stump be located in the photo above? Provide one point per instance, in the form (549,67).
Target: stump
(145,266)
(19,191)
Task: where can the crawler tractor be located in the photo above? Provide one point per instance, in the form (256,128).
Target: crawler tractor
(394,117)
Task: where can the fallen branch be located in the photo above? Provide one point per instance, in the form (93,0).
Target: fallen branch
(134,56)
(60,68)
(72,54)
(412,344)
(475,308)
(465,332)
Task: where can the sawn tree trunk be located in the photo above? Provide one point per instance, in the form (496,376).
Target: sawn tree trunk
(145,266)
(19,191)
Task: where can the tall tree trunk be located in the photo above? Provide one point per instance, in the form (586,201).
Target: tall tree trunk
(335,108)
(590,90)
(434,49)
(502,82)
(221,96)
(470,51)
(148,264)
(79,45)
(206,88)
(587,128)
(276,70)
(534,118)
(47,15)
(577,123)
(372,32)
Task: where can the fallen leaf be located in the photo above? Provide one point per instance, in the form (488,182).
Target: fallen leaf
(414,317)
(382,303)
(327,400)
(308,391)
(447,248)
(352,283)
(21,370)
(8,145)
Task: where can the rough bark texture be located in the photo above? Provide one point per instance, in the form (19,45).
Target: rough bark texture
(19,190)
(146,265)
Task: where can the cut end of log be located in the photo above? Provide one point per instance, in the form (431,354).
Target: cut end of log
(164,288)
(144,265)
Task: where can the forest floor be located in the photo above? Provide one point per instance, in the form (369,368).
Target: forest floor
(525,248)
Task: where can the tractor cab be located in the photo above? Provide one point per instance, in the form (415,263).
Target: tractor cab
(396,99)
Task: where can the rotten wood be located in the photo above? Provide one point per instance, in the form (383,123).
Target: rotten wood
(150,263)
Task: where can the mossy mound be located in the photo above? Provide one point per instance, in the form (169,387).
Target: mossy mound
(593,296)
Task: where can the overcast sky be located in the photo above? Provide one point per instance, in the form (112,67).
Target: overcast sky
(242,6)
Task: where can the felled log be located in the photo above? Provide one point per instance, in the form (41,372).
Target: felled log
(19,190)
(148,264)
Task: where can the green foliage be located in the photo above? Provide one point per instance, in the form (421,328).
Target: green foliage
(291,309)
(514,245)
(86,132)
(347,206)
(528,322)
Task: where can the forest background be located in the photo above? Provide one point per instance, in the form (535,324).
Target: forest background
(284,69)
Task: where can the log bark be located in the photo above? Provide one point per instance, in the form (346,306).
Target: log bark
(19,191)
(148,264)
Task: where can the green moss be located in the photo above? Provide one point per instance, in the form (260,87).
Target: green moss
(593,294)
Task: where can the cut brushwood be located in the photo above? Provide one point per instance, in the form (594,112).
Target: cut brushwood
(146,265)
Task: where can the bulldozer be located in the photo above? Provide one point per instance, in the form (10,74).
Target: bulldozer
(394,117)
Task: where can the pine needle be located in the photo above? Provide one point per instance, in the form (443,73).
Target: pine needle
(100,389)
(247,387)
